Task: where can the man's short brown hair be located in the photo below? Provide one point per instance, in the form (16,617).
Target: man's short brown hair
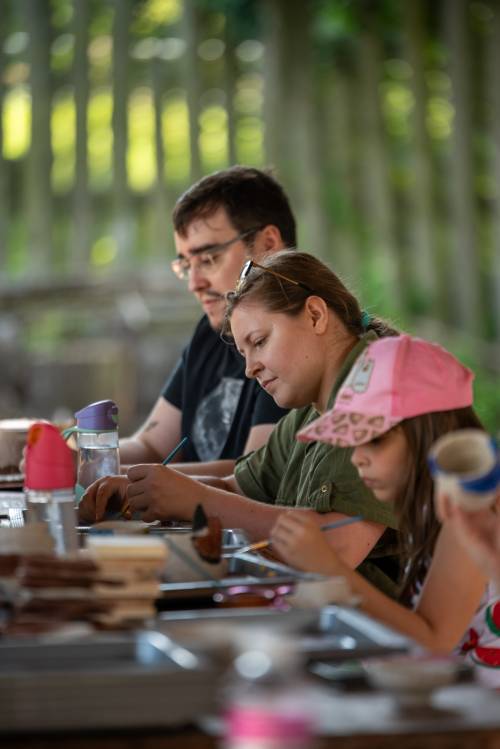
(251,197)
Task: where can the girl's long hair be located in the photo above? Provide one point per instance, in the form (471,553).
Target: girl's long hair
(418,524)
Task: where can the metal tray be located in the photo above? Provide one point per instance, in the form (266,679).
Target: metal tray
(249,570)
(11,501)
(344,633)
(232,538)
(103,681)
(326,637)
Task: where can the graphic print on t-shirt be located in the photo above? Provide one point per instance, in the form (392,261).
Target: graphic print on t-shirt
(214,418)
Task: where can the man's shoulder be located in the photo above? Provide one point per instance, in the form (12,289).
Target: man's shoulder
(204,337)
(204,330)
(207,356)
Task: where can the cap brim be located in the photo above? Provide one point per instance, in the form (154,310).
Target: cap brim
(346,429)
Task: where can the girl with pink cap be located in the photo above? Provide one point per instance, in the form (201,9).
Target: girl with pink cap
(401,395)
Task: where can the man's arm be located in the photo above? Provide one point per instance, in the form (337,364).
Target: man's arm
(257,437)
(159,434)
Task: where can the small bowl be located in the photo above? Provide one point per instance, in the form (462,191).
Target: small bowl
(13,434)
(411,678)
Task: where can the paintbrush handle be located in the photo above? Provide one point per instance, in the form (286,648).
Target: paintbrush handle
(327,527)
(341,523)
(174,452)
(255,546)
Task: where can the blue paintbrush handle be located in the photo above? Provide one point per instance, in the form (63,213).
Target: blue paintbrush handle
(174,452)
(340,523)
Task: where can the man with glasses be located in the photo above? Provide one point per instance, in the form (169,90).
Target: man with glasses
(220,222)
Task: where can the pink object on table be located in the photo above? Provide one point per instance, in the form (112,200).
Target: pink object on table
(49,461)
(393,379)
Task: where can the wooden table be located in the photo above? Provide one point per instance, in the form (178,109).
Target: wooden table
(194,739)
(460,718)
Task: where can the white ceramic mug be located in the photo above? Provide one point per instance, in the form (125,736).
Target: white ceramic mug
(465,466)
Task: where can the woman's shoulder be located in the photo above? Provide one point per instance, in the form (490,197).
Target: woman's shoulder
(296,418)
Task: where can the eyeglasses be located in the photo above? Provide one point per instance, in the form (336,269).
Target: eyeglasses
(207,258)
(245,271)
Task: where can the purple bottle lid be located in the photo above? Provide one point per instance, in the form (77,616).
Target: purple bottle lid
(101,416)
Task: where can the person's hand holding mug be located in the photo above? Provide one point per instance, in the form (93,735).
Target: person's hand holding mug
(478,532)
(466,469)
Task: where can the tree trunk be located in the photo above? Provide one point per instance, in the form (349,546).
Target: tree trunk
(340,160)
(463,265)
(230,76)
(374,166)
(420,216)
(4,201)
(162,208)
(294,127)
(493,93)
(38,189)
(276,134)
(122,223)
(82,220)
(192,80)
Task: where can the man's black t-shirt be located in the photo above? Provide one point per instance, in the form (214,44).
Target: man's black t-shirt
(219,404)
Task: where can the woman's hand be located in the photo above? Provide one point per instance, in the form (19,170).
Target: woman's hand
(297,538)
(107,494)
(161,493)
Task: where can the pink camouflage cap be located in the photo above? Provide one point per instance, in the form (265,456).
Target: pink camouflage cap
(393,379)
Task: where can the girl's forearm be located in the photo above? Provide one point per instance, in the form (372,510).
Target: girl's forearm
(434,631)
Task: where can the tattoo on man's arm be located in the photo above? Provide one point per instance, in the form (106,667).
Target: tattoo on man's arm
(150,426)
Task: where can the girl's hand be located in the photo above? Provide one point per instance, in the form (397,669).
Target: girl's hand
(299,541)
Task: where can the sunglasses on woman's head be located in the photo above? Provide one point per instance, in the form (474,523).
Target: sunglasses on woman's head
(245,271)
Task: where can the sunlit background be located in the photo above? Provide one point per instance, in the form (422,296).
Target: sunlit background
(382,120)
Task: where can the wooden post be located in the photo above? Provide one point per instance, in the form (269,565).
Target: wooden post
(493,94)
(192,75)
(162,208)
(38,188)
(122,223)
(276,136)
(463,258)
(374,169)
(230,76)
(81,199)
(293,125)
(422,253)
(3,166)
(340,160)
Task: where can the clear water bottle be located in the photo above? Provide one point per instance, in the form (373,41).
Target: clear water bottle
(97,442)
(48,486)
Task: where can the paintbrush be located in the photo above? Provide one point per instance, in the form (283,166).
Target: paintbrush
(267,541)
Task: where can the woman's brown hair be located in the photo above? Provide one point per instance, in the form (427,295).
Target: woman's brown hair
(306,276)
(418,524)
